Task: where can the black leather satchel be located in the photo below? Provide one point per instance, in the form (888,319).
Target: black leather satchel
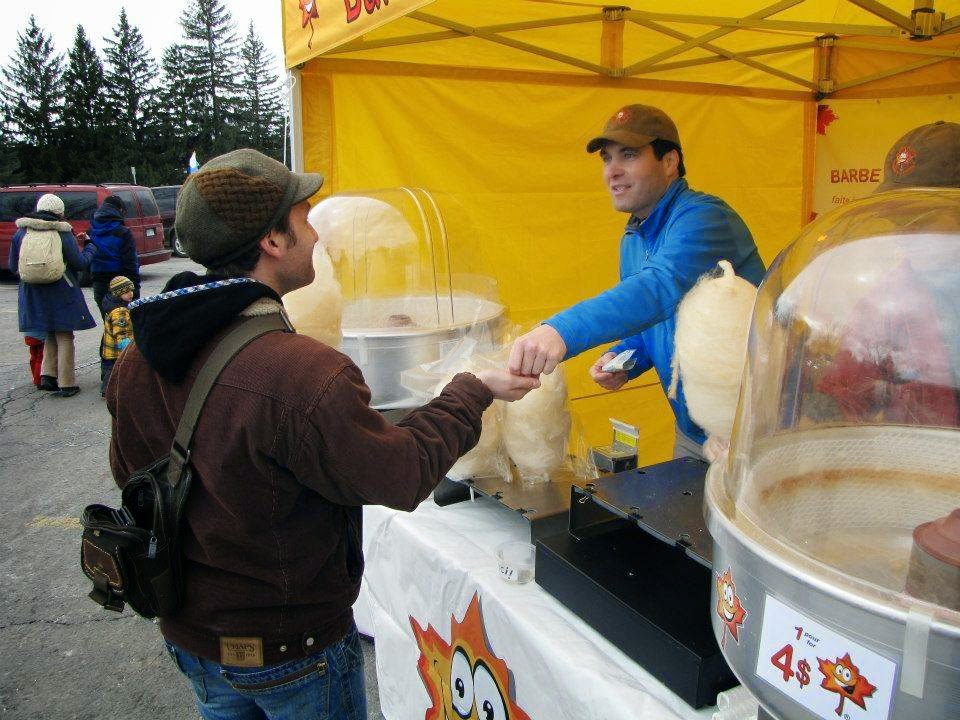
(132,553)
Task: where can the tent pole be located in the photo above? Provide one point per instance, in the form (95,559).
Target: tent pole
(295,104)
(611,40)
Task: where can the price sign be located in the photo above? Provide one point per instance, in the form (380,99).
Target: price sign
(822,670)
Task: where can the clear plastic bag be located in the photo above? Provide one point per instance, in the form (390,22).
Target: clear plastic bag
(487,458)
(536,428)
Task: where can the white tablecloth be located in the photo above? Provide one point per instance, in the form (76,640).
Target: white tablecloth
(426,567)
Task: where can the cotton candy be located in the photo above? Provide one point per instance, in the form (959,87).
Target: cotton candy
(315,310)
(487,458)
(536,428)
(710,345)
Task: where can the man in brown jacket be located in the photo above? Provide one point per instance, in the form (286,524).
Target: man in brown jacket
(286,452)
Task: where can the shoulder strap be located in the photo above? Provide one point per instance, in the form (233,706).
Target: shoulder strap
(238,338)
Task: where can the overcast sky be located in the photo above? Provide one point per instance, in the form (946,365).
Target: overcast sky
(158,22)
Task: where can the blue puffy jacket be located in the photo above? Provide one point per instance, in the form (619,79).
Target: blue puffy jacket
(116,249)
(661,258)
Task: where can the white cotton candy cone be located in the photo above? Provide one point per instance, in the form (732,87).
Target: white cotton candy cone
(536,428)
(710,346)
(315,310)
(486,458)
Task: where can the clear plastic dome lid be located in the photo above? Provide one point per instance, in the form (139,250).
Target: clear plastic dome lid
(403,257)
(845,454)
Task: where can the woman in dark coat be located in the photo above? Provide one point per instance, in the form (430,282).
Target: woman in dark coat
(57,308)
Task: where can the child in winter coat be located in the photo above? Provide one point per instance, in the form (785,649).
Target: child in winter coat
(117,328)
(34,340)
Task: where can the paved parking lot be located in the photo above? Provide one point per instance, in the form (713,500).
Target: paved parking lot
(63,656)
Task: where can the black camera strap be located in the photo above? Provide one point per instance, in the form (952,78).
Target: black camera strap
(232,343)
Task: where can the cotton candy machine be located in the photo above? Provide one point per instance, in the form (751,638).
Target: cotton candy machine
(403,258)
(835,513)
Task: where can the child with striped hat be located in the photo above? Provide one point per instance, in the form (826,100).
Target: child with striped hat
(117,327)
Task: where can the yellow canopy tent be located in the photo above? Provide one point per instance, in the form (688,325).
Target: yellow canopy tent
(493,102)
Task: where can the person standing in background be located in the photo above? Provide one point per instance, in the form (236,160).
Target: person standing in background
(116,249)
(56,308)
(34,340)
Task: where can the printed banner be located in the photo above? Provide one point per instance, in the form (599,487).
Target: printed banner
(311,27)
(825,672)
(853,137)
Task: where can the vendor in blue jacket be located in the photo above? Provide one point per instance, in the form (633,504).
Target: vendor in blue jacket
(674,235)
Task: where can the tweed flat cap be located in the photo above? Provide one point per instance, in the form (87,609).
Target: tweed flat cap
(233,200)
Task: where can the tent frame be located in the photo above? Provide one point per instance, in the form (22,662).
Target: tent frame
(923,23)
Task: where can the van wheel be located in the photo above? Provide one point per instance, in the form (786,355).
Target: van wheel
(178,246)
(84,278)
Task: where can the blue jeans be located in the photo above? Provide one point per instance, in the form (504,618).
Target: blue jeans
(327,685)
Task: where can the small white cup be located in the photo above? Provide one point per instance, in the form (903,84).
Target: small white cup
(516,560)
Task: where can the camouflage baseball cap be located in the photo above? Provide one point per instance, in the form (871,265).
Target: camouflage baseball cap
(233,200)
(636,126)
(927,156)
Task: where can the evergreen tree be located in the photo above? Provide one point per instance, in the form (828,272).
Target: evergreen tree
(129,84)
(84,111)
(33,88)
(179,113)
(10,172)
(259,106)
(211,54)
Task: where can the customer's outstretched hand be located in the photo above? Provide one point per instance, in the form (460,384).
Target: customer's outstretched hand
(507,386)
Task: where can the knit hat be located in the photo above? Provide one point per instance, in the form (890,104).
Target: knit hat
(636,126)
(114,201)
(927,156)
(119,285)
(232,201)
(50,203)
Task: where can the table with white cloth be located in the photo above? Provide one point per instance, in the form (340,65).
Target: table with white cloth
(423,571)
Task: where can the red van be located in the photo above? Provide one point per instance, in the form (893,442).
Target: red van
(141,214)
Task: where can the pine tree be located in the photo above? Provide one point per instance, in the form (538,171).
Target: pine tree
(84,111)
(129,83)
(259,106)
(179,113)
(10,172)
(33,88)
(211,54)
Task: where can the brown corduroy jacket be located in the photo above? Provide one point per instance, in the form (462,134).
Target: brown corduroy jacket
(286,452)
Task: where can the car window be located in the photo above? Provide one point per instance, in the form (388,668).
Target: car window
(79,205)
(166,199)
(15,204)
(129,206)
(147,204)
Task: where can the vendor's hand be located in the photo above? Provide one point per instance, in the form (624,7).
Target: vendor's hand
(607,380)
(506,386)
(714,447)
(539,351)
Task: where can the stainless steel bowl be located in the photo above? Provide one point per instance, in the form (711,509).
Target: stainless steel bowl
(793,599)
(386,336)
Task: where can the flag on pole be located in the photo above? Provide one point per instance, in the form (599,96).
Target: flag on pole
(193,165)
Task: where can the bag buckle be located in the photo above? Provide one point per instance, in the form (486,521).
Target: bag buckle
(109,600)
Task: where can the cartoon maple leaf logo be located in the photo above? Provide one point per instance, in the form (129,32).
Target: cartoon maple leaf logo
(825,116)
(729,608)
(844,678)
(463,677)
